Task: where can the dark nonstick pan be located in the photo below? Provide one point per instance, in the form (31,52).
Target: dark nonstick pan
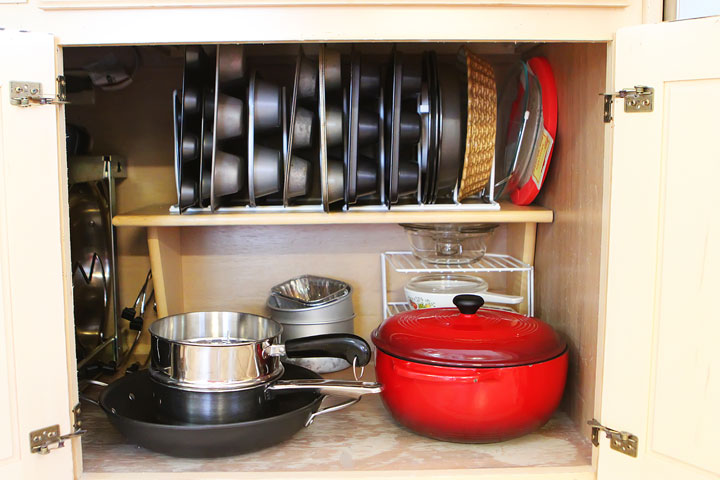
(131,407)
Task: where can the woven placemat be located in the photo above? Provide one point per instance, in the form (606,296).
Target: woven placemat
(481,124)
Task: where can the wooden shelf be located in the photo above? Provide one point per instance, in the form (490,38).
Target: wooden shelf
(358,442)
(159,216)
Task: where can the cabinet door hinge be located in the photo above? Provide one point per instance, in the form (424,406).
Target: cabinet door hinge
(44,440)
(623,442)
(26,94)
(638,99)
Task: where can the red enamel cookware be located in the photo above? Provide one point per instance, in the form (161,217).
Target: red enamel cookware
(468,374)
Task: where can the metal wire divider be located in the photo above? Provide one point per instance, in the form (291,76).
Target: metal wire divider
(406,262)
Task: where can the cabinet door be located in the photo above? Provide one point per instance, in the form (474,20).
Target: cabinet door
(661,378)
(34,360)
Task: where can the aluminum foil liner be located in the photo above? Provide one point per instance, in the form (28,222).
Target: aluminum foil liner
(310,290)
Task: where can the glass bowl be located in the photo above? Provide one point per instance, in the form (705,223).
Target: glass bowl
(448,243)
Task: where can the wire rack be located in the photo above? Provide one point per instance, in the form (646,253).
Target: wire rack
(393,308)
(406,262)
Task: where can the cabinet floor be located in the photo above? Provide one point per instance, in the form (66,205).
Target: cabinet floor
(363,437)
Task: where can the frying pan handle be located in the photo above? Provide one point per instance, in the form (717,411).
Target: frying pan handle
(338,345)
(331,409)
(342,388)
(85,398)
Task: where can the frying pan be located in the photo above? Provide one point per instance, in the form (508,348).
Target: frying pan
(131,407)
(223,407)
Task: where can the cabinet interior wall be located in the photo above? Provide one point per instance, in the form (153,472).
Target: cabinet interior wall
(233,267)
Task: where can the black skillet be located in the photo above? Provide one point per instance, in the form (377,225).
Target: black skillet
(130,405)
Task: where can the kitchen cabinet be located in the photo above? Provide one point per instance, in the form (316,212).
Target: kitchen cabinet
(622,270)
(100,22)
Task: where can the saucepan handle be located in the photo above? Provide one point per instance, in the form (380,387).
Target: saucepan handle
(333,408)
(492,297)
(342,388)
(337,345)
(85,398)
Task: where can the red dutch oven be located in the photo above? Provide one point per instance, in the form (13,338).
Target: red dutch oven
(473,375)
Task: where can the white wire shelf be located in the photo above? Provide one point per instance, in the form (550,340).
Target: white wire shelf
(406,262)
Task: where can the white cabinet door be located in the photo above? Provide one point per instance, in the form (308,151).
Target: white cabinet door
(661,378)
(34,339)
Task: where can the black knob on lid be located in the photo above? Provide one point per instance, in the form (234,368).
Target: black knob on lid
(468,304)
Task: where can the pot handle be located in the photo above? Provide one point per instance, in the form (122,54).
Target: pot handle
(338,345)
(331,409)
(493,297)
(445,375)
(85,398)
(343,388)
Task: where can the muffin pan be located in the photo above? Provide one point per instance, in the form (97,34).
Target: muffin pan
(189,125)
(363,157)
(334,119)
(322,129)
(301,150)
(228,166)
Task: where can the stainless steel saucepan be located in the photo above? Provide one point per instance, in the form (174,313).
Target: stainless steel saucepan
(223,367)
(231,350)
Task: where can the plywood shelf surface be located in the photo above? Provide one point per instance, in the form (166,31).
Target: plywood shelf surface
(159,216)
(361,440)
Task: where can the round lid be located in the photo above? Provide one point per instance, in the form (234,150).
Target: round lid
(468,337)
(447,284)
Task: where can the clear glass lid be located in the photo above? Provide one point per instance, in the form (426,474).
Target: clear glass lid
(447,283)
(511,121)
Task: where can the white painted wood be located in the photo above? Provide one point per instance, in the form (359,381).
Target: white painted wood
(49,4)
(141,4)
(8,411)
(661,367)
(526,20)
(244,3)
(32,252)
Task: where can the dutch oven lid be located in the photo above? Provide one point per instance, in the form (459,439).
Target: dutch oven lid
(468,337)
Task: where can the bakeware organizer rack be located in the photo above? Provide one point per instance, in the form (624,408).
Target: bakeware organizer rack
(407,263)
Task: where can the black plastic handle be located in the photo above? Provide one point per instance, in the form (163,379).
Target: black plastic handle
(337,345)
(468,304)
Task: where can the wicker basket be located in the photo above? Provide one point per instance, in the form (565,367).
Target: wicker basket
(481,123)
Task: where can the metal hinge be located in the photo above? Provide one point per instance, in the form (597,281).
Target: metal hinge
(43,439)
(638,99)
(623,442)
(26,94)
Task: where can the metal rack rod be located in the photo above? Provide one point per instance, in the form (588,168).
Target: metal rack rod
(449,207)
(406,262)
(96,351)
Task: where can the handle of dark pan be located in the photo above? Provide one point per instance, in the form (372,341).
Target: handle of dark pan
(337,345)
(84,397)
